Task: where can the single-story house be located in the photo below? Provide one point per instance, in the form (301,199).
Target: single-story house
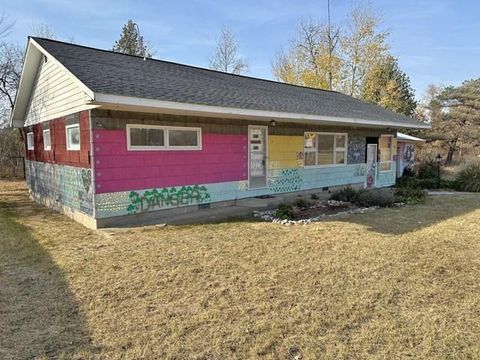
(406,152)
(112,137)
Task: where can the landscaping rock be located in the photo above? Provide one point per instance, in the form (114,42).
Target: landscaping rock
(339,207)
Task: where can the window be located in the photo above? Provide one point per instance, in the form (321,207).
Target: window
(323,149)
(385,143)
(30,142)
(47,143)
(73,137)
(152,137)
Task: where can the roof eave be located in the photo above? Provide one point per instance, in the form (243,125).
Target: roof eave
(126,103)
(32,59)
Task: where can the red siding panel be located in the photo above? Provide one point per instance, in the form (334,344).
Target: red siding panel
(59,153)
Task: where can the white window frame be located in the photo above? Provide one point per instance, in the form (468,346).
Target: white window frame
(391,155)
(30,141)
(334,134)
(49,147)
(165,129)
(74,147)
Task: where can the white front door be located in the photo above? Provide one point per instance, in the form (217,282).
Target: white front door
(399,161)
(372,154)
(257,154)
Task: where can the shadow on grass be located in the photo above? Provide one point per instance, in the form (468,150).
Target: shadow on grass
(397,221)
(39,315)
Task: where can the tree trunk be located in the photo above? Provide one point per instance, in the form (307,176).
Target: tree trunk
(451,151)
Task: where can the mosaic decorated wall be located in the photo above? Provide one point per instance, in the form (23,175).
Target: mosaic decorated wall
(386,178)
(130,182)
(61,185)
(282,180)
(357,146)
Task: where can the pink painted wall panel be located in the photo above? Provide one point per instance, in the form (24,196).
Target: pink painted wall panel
(223,158)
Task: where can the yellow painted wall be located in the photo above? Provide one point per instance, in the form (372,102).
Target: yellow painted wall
(285,151)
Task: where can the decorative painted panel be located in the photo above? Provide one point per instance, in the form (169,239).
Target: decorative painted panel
(356,149)
(223,158)
(285,152)
(386,178)
(280,181)
(67,186)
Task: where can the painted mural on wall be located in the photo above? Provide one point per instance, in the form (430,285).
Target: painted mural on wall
(386,178)
(157,199)
(67,186)
(356,149)
(279,181)
(409,157)
(285,180)
(360,170)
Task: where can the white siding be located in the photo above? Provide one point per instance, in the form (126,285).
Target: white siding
(55,93)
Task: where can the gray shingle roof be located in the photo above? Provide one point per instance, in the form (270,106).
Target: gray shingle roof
(113,73)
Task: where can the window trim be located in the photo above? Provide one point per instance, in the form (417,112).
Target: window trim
(71,147)
(32,145)
(380,153)
(165,129)
(334,134)
(49,147)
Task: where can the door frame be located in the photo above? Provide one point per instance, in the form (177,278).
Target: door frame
(266,155)
(374,168)
(399,161)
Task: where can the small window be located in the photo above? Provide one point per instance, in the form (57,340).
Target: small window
(324,149)
(30,142)
(151,137)
(47,143)
(147,137)
(73,137)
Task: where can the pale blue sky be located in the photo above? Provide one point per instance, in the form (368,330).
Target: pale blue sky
(436,41)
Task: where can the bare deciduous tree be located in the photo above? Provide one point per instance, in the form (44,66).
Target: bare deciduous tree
(11,60)
(42,30)
(312,59)
(11,142)
(326,56)
(5,26)
(226,56)
(363,45)
(11,152)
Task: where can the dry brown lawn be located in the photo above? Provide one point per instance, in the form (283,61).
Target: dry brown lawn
(389,284)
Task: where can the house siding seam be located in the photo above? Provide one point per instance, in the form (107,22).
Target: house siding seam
(54,93)
(59,153)
(223,158)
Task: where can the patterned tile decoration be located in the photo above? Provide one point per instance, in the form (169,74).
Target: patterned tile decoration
(409,157)
(386,178)
(356,149)
(279,181)
(285,180)
(360,170)
(66,185)
(285,174)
